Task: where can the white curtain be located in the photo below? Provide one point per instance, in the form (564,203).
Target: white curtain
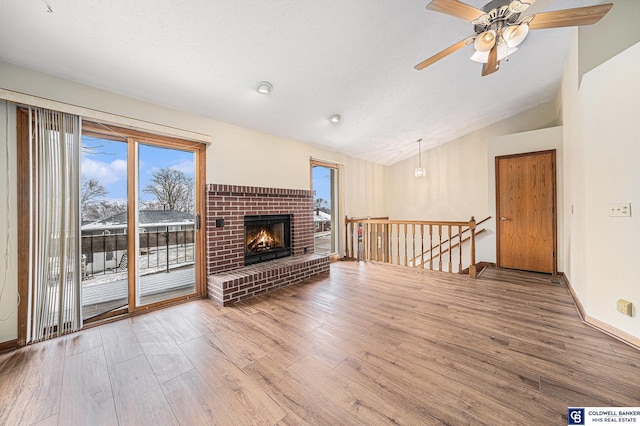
(54,251)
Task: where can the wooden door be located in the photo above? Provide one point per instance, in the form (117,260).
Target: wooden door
(526,211)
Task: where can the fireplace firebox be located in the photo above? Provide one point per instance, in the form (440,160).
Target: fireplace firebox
(266,237)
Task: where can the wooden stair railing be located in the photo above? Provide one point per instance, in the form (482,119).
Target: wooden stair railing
(453,237)
(398,241)
(446,250)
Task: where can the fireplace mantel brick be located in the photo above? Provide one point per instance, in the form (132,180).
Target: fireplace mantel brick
(225,245)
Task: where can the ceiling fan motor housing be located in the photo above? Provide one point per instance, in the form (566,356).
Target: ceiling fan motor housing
(495,19)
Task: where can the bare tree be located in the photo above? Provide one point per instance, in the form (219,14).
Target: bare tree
(173,189)
(90,193)
(103,209)
(321,204)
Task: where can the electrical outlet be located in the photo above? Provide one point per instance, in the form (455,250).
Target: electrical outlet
(625,307)
(620,209)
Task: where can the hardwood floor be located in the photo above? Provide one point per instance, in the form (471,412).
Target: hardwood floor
(369,344)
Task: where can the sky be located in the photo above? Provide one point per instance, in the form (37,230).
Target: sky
(106,161)
(321,181)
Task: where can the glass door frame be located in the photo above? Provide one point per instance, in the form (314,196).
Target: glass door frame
(134,138)
(337,202)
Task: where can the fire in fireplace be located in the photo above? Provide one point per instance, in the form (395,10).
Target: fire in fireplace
(266,237)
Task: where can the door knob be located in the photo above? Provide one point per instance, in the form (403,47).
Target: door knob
(503,218)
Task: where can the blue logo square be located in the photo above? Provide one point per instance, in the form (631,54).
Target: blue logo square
(575,416)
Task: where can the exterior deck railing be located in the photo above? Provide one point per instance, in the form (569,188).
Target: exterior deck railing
(102,254)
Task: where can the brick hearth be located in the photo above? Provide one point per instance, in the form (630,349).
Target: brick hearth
(226,206)
(230,287)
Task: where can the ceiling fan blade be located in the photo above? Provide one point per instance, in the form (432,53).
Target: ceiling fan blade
(492,64)
(455,8)
(446,52)
(569,17)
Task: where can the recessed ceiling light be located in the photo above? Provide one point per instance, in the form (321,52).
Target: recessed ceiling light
(335,118)
(264,87)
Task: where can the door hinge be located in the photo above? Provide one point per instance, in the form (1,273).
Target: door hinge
(197,222)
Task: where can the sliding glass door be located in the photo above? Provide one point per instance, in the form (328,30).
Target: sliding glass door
(141,244)
(109,222)
(166,224)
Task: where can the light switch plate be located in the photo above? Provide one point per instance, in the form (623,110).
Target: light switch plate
(620,209)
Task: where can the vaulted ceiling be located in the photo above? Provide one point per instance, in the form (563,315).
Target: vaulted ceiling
(349,57)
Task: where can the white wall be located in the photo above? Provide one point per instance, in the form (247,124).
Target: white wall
(276,162)
(237,156)
(616,32)
(603,132)
(459,182)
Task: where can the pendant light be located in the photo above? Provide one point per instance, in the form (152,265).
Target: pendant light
(420,172)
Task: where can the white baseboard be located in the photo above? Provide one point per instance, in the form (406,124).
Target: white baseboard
(597,324)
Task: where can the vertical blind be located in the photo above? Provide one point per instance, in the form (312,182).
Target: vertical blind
(55,269)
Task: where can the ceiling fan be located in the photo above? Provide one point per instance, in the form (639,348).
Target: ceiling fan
(500,28)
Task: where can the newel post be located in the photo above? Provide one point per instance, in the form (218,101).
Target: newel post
(472,261)
(346,237)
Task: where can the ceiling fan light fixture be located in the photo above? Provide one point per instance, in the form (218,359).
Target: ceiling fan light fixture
(515,34)
(503,52)
(485,41)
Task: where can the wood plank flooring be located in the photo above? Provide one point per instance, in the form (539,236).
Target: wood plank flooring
(369,344)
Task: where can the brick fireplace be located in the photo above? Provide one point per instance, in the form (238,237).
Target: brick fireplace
(228,279)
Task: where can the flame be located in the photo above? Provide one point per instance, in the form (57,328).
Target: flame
(262,241)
